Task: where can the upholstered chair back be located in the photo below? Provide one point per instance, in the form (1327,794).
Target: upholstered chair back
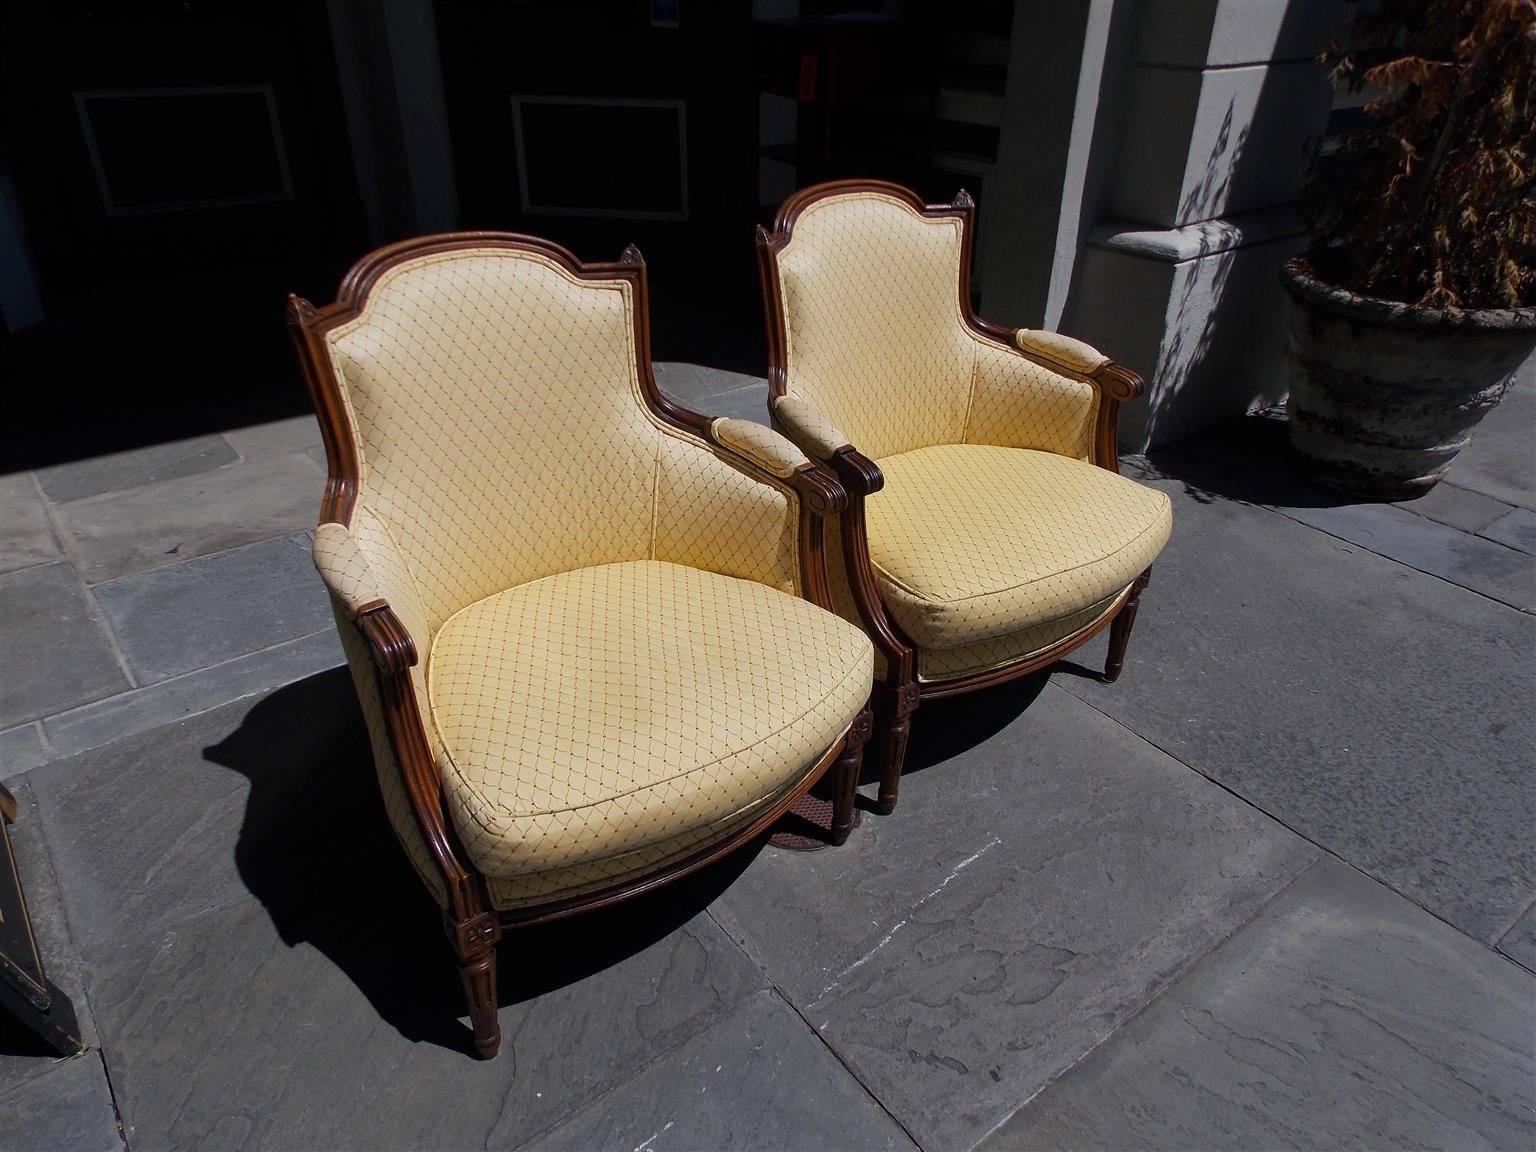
(876,339)
(502,436)
(499,436)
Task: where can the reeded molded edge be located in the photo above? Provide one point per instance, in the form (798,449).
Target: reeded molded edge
(1303,284)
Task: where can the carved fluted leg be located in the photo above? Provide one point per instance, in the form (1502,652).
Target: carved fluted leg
(846,775)
(1120,629)
(894,706)
(474,942)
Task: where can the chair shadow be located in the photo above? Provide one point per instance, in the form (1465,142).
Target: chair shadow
(317,850)
(1247,460)
(943,729)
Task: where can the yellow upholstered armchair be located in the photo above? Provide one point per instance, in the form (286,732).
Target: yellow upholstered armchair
(988,531)
(583,622)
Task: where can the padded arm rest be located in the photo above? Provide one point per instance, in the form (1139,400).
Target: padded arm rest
(761,446)
(1073,355)
(345,569)
(809,428)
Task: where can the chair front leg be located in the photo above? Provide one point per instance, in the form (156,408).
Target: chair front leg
(1120,628)
(894,704)
(846,778)
(474,943)
(896,696)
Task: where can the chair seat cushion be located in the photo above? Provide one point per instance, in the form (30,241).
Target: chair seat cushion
(973,541)
(600,714)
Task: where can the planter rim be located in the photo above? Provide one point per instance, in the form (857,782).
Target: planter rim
(1302,283)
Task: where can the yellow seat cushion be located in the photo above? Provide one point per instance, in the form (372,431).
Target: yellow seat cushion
(593,720)
(973,541)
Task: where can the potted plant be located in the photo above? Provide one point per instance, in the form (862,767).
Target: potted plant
(1416,300)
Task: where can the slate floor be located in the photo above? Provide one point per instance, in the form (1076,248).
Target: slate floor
(1273,889)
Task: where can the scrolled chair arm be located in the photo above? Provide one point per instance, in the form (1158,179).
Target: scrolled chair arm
(1054,350)
(350,579)
(767,451)
(824,440)
(809,428)
(1114,382)
(1062,351)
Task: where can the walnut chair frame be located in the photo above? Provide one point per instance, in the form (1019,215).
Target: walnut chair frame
(899,692)
(474,927)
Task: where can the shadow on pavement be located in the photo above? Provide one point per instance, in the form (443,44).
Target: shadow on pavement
(1246,460)
(943,729)
(317,850)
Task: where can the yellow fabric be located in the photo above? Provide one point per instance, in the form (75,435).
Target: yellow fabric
(502,436)
(1016,403)
(872,308)
(809,428)
(345,568)
(879,354)
(972,542)
(1070,353)
(576,879)
(610,710)
(762,446)
(710,515)
(497,414)
(936,664)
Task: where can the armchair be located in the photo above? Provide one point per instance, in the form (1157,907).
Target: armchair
(588,628)
(987,531)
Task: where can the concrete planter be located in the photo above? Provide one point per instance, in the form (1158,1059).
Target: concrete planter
(1383,395)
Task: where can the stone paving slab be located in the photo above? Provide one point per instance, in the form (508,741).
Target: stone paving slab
(277,439)
(120,471)
(693,384)
(148,831)
(1488,566)
(55,653)
(220,1033)
(758,1079)
(1443,533)
(1343,1017)
(207,611)
(1045,874)
(21,749)
(1501,460)
(1519,943)
(1517,529)
(1382,713)
(744,404)
(1456,507)
(26,536)
(243,1002)
(20,1057)
(96,725)
(68,1107)
(125,532)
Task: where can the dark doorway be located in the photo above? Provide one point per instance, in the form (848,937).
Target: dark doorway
(598,123)
(179,167)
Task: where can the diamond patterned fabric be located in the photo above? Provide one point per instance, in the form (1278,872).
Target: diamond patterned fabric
(504,442)
(1015,403)
(598,712)
(879,349)
(877,344)
(972,542)
(935,664)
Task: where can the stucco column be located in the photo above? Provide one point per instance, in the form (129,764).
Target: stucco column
(1190,203)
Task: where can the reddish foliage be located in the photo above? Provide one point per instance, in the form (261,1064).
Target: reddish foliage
(1437,205)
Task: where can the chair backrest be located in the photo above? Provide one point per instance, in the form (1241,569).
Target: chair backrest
(493,394)
(875,338)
